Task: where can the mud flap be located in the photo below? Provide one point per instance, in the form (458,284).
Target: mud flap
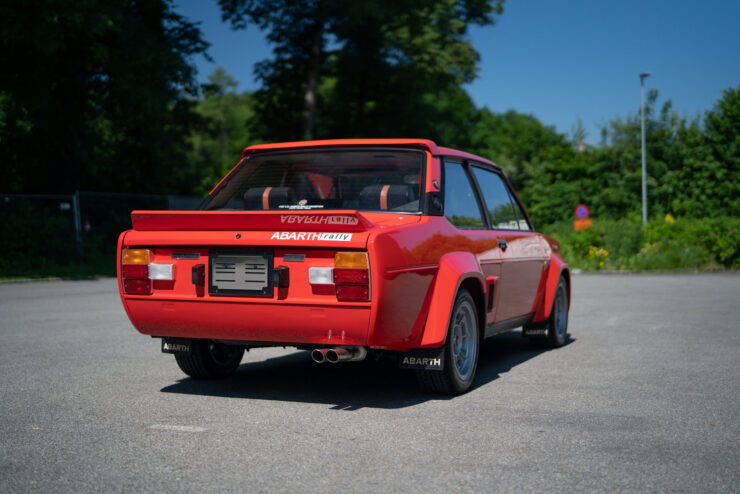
(535,329)
(176,345)
(423,359)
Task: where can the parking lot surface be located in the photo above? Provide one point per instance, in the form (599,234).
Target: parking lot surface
(644,397)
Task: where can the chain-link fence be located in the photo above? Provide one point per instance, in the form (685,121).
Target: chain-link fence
(45,234)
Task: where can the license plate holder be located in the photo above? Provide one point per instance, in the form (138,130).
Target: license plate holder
(240,272)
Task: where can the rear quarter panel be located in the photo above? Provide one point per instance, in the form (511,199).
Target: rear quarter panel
(420,268)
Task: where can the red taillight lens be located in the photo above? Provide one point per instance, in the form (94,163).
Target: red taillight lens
(353,292)
(137,287)
(351,276)
(136,271)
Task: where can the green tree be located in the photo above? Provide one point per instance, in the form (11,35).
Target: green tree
(723,135)
(223,132)
(692,167)
(348,69)
(95,94)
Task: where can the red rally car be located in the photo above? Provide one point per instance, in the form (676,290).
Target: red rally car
(345,247)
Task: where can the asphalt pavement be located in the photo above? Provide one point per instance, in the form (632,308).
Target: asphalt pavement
(644,397)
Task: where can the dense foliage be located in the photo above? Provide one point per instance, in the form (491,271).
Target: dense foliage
(215,146)
(372,68)
(693,165)
(101,95)
(625,244)
(94,95)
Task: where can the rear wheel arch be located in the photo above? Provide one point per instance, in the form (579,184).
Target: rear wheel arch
(556,270)
(553,333)
(456,270)
(565,274)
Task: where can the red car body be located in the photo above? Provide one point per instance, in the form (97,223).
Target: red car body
(417,262)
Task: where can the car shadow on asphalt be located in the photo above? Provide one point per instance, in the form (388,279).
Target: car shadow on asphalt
(368,384)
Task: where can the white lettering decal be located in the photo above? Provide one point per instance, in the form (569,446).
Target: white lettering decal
(426,361)
(338,237)
(326,236)
(318,219)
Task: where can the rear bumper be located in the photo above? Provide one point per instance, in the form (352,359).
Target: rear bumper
(253,321)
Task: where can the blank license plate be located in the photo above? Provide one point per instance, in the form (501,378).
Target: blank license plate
(245,273)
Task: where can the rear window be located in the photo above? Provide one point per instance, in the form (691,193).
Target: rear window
(365,180)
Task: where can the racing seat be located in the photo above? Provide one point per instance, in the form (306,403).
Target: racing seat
(258,198)
(384,197)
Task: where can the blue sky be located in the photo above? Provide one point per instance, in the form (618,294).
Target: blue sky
(560,60)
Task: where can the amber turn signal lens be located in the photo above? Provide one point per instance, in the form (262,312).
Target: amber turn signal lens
(135,256)
(350,260)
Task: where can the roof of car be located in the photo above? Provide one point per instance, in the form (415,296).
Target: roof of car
(427,144)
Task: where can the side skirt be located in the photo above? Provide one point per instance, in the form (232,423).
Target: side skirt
(502,326)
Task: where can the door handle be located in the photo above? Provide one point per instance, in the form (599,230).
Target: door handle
(503,245)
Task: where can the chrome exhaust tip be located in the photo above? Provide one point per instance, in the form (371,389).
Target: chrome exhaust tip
(346,354)
(318,355)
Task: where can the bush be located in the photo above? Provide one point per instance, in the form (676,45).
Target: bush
(683,243)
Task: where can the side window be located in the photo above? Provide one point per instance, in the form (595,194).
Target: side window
(460,203)
(498,203)
(523,224)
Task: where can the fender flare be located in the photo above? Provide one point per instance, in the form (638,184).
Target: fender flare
(555,270)
(454,269)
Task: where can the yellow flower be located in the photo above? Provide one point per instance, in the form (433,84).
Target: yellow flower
(669,219)
(601,264)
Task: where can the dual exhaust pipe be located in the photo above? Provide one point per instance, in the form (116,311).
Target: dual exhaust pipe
(339,354)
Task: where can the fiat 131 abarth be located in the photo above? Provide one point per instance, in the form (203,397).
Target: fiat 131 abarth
(346,248)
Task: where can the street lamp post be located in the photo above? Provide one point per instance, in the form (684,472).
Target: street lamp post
(644,166)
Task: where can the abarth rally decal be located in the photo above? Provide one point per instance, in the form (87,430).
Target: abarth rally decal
(329,237)
(318,220)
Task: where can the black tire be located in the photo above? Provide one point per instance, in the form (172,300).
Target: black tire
(461,351)
(557,323)
(209,360)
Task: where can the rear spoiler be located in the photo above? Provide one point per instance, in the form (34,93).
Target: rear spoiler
(305,221)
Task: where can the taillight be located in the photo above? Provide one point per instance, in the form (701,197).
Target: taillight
(138,271)
(135,256)
(350,260)
(137,287)
(353,292)
(349,278)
